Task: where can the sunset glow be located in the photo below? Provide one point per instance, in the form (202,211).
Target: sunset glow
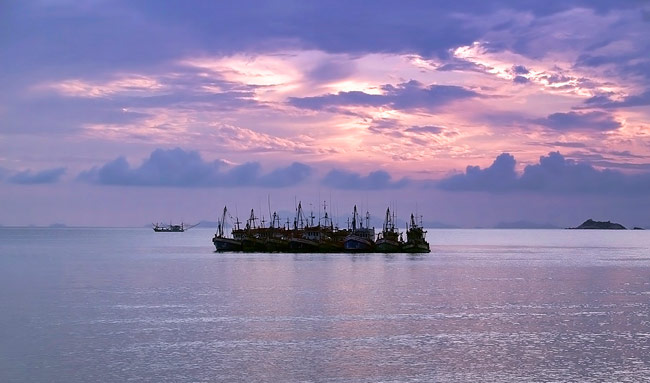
(416,97)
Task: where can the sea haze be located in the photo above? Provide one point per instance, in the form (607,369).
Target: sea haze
(116,305)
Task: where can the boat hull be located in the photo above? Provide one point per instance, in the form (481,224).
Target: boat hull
(330,246)
(387,246)
(251,245)
(416,247)
(301,245)
(356,244)
(167,230)
(277,245)
(226,244)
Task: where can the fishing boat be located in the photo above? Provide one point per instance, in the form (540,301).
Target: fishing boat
(388,241)
(361,239)
(171,228)
(254,238)
(223,243)
(275,236)
(303,238)
(330,238)
(415,238)
(307,235)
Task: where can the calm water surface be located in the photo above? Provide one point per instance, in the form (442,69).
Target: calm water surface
(118,305)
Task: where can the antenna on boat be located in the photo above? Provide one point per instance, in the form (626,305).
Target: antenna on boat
(268,196)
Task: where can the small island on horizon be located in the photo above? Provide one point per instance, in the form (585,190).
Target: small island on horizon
(590,224)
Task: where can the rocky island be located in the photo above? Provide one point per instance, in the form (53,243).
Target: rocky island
(600,225)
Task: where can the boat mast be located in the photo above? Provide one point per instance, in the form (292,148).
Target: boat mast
(299,221)
(222,222)
(387,221)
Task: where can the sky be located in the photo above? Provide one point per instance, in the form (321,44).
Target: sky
(470,113)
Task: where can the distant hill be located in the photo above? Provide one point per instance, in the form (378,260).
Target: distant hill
(209,224)
(524,225)
(438,225)
(600,225)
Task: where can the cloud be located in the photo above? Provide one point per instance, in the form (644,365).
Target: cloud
(520,69)
(629,63)
(3,173)
(376,180)
(426,129)
(163,31)
(567,144)
(288,176)
(554,174)
(58,115)
(520,80)
(27,177)
(331,70)
(601,101)
(459,65)
(404,96)
(421,136)
(499,177)
(571,121)
(180,168)
(353,98)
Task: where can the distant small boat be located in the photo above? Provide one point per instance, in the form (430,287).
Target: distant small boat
(171,228)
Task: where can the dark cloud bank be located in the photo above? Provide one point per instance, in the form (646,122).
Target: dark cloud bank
(404,96)
(161,31)
(575,121)
(553,174)
(180,168)
(29,177)
(376,180)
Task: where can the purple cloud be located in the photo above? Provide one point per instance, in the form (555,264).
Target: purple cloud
(554,174)
(589,121)
(404,96)
(602,101)
(70,115)
(426,129)
(331,70)
(498,177)
(520,69)
(376,180)
(353,98)
(567,144)
(520,80)
(180,168)
(28,177)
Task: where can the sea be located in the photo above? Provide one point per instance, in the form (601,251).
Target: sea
(131,305)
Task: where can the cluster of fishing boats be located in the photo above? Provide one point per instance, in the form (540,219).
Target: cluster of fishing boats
(306,236)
